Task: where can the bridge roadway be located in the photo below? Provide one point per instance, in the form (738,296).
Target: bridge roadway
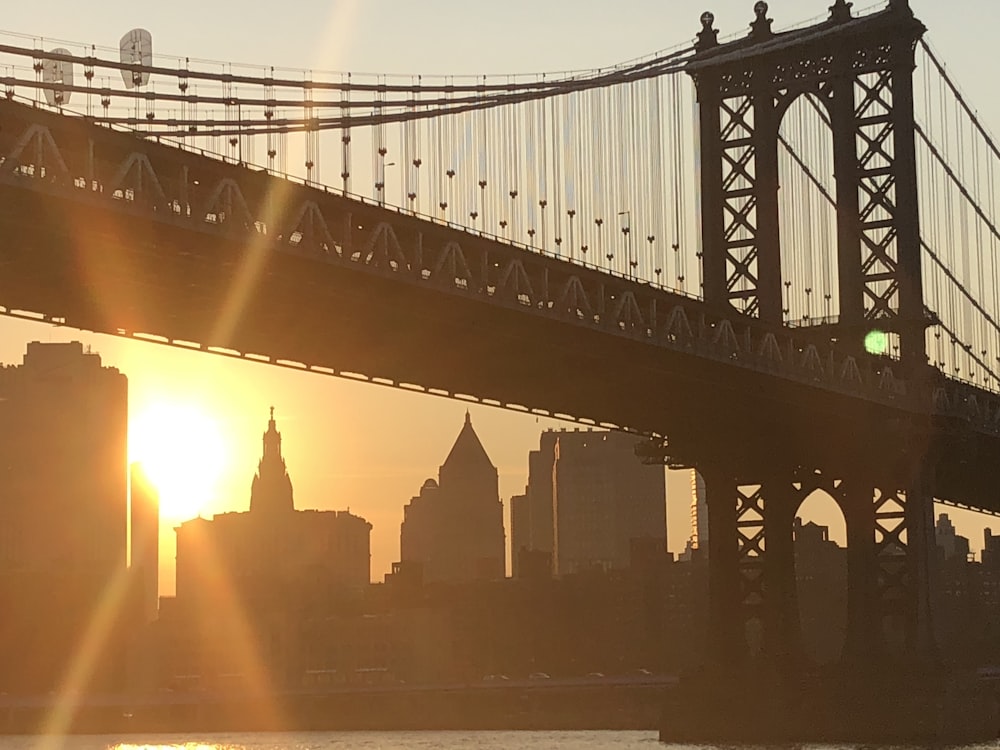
(105,231)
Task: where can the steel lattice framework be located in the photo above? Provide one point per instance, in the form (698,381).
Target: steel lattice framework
(860,71)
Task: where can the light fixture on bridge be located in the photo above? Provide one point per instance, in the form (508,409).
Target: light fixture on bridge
(56,74)
(136,49)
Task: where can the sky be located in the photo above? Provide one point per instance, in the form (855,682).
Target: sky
(362,446)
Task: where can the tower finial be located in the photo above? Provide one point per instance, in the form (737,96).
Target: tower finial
(272,413)
(761,26)
(707,37)
(468,417)
(840,11)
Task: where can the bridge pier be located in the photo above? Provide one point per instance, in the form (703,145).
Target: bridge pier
(752,580)
(863,630)
(757,684)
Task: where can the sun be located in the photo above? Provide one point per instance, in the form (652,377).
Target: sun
(182,451)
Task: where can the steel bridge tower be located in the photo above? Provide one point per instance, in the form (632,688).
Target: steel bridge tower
(860,71)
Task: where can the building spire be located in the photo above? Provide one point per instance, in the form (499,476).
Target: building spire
(467,454)
(271,489)
(707,37)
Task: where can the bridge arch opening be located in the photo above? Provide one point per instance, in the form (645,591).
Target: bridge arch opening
(807,214)
(820,533)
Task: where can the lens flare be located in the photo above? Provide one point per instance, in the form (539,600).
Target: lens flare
(182,450)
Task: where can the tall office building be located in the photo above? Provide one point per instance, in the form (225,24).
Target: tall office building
(144,557)
(520,530)
(63,474)
(589,498)
(63,515)
(697,543)
(951,544)
(453,529)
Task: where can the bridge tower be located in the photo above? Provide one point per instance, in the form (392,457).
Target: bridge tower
(860,71)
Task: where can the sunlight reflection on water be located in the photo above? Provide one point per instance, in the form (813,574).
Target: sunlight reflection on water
(453,740)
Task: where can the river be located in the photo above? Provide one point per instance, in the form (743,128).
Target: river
(457,740)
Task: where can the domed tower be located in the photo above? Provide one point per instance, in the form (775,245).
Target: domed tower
(271,491)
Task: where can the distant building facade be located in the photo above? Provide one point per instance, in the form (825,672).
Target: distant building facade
(144,555)
(697,542)
(821,581)
(453,528)
(63,515)
(531,543)
(603,498)
(273,550)
(63,477)
(590,500)
(520,529)
(247,581)
(991,550)
(950,544)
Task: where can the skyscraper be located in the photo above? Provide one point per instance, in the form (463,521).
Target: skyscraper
(454,527)
(260,554)
(589,497)
(697,543)
(144,559)
(63,474)
(520,531)
(63,516)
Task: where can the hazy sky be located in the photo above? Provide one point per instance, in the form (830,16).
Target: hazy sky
(363,446)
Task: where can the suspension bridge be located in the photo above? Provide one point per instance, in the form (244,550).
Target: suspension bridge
(777,254)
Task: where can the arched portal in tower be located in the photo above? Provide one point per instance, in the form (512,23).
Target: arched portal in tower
(860,70)
(819,533)
(807,214)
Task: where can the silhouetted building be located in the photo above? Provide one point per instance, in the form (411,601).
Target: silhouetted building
(821,578)
(520,531)
(63,473)
(273,552)
(697,542)
(991,550)
(454,527)
(541,464)
(144,560)
(63,517)
(603,497)
(951,544)
(247,581)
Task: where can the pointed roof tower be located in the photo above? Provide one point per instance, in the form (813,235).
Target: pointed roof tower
(468,453)
(271,490)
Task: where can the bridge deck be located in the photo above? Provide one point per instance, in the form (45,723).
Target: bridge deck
(108,232)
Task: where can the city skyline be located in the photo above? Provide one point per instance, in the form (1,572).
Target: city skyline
(358,441)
